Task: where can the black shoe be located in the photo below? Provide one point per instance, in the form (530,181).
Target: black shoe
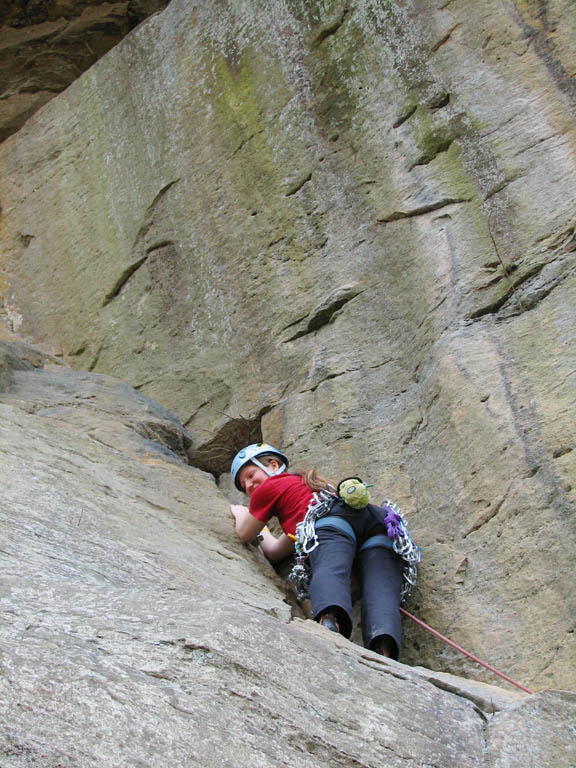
(382,645)
(328,620)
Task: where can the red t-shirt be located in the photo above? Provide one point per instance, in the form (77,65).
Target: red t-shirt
(284,496)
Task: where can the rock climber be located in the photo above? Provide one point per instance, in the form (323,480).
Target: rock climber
(343,536)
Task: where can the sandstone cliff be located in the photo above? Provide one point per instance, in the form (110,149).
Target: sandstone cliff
(137,631)
(352,224)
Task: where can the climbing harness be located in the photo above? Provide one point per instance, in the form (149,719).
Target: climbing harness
(398,539)
(306,539)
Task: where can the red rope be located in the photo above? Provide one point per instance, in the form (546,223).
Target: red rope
(470,656)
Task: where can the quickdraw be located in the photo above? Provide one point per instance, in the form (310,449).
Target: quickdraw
(306,541)
(406,549)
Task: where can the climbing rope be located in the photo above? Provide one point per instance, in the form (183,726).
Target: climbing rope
(306,541)
(466,653)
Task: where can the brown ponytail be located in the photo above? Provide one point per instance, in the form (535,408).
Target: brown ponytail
(313,479)
(310,477)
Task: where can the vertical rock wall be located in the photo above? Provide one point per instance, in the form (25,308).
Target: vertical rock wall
(353,224)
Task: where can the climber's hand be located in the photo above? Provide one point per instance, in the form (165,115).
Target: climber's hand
(247,527)
(239,511)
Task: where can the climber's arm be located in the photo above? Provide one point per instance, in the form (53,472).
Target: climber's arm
(274,548)
(247,526)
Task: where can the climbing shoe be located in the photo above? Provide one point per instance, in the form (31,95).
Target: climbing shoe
(382,645)
(328,620)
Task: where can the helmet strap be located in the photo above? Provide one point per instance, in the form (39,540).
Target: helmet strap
(265,469)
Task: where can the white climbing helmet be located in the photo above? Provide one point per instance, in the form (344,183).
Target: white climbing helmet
(249,455)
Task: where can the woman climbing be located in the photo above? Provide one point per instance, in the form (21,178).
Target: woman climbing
(342,535)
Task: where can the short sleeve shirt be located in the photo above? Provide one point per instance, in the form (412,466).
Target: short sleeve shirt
(283,496)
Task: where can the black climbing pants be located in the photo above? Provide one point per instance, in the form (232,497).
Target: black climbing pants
(379,569)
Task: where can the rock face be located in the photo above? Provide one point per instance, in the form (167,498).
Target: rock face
(46,44)
(138,631)
(353,225)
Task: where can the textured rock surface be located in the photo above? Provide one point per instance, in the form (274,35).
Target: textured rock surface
(354,225)
(136,630)
(46,44)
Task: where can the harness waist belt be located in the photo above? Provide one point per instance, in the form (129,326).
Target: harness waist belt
(380,540)
(336,522)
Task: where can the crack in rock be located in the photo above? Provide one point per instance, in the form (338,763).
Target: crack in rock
(323,314)
(329,28)
(123,279)
(148,223)
(486,517)
(440,147)
(443,40)
(330,377)
(297,184)
(537,283)
(503,184)
(423,209)
(405,116)
(246,141)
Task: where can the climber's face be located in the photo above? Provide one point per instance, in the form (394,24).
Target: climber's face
(251,476)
